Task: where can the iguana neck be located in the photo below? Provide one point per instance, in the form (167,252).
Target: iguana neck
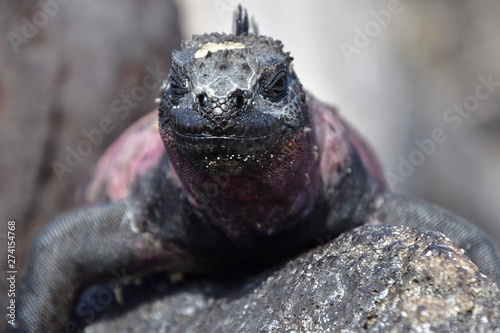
(259,202)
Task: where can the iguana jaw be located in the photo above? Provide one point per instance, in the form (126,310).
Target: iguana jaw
(227,155)
(236,148)
(230,156)
(264,201)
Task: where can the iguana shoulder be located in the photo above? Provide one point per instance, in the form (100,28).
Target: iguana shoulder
(132,156)
(336,139)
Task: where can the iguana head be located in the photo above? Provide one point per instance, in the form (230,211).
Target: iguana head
(231,101)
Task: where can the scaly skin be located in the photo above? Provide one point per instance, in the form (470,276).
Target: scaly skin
(253,170)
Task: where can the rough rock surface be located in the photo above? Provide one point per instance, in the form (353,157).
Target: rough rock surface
(375,278)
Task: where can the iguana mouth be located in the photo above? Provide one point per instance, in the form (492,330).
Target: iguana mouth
(231,131)
(198,136)
(229,155)
(201,137)
(208,144)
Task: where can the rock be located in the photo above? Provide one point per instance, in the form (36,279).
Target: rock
(377,278)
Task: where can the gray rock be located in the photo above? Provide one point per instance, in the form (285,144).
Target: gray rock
(375,278)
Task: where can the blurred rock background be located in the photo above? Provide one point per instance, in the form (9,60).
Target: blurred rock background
(394,69)
(70,70)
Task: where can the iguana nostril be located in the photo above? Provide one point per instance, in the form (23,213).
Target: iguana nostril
(238,101)
(202,99)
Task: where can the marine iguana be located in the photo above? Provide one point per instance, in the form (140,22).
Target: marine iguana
(244,167)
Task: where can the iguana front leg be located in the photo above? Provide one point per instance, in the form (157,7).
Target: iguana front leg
(81,248)
(402,210)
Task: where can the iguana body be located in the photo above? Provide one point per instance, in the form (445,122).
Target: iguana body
(253,170)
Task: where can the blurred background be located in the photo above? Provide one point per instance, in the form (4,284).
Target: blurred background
(419,79)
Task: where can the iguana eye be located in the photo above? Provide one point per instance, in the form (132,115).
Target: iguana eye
(275,85)
(178,86)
